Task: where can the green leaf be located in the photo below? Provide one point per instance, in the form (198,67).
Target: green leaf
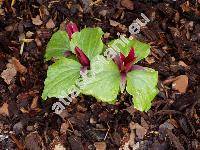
(142,50)
(89,41)
(57,45)
(105,81)
(61,76)
(141,84)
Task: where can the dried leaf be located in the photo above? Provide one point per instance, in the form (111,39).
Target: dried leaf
(50,24)
(181,63)
(43,11)
(59,147)
(100,145)
(114,23)
(186,6)
(9,73)
(119,25)
(4,110)
(34,104)
(64,127)
(37,21)
(34,141)
(180,84)
(140,130)
(18,66)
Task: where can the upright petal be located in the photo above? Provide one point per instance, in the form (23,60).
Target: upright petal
(129,60)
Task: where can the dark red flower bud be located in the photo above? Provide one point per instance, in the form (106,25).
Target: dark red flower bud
(71,28)
(83,59)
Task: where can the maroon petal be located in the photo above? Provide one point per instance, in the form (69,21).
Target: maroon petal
(71,28)
(129,60)
(122,57)
(83,59)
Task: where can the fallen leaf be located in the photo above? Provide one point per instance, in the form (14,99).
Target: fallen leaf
(18,66)
(4,110)
(50,24)
(127,4)
(29,34)
(103,12)
(150,60)
(185,6)
(59,147)
(9,73)
(114,23)
(166,125)
(119,25)
(43,11)
(100,145)
(64,127)
(144,123)
(2,12)
(140,130)
(34,141)
(34,104)
(181,63)
(38,42)
(180,84)
(37,21)
(106,35)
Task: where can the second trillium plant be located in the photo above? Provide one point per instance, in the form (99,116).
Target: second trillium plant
(81,51)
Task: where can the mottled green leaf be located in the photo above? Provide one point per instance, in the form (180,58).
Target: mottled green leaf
(104,82)
(141,84)
(57,45)
(61,76)
(89,41)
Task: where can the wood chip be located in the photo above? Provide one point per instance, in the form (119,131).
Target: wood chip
(64,127)
(118,25)
(100,145)
(180,84)
(114,23)
(50,24)
(4,110)
(140,130)
(33,141)
(181,63)
(9,74)
(127,4)
(18,66)
(186,6)
(59,147)
(34,104)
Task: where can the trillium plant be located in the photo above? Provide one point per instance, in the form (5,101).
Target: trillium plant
(77,51)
